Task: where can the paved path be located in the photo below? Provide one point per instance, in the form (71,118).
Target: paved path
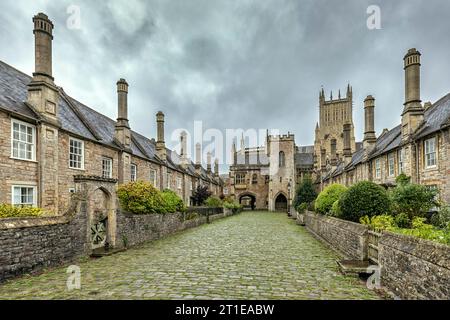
(256,255)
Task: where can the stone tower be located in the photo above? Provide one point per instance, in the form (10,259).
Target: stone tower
(329,135)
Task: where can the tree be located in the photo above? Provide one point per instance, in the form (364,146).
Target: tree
(328,197)
(305,193)
(200,195)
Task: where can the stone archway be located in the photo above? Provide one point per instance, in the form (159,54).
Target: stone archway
(248,200)
(281,203)
(100,195)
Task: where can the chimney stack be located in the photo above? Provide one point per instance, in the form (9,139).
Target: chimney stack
(198,158)
(122,130)
(369,114)
(413,111)
(183,152)
(208,164)
(160,143)
(216,168)
(43,95)
(333,152)
(347,143)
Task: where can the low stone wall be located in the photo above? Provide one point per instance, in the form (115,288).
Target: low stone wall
(414,268)
(29,245)
(136,229)
(348,238)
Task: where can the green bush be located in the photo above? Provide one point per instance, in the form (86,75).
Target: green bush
(9,211)
(403,221)
(140,197)
(364,199)
(200,194)
(172,202)
(382,222)
(336,209)
(328,197)
(305,194)
(214,202)
(441,219)
(413,200)
(234,206)
(426,231)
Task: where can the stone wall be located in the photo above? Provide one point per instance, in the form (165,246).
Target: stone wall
(29,245)
(414,268)
(348,238)
(136,229)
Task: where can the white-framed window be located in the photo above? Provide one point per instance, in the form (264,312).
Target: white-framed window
(378,168)
(153,177)
(179,183)
(391,164)
(24,196)
(192,185)
(133,172)
(240,179)
(430,153)
(76,154)
(168,181)
(225,190)
(107,167)
(400,161)
(23,140)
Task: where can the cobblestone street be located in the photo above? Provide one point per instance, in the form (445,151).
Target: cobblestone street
(256,255)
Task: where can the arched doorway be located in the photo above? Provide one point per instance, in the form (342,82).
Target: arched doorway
(100,211)
(248,201)
(281,203)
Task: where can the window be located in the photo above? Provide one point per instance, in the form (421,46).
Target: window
(24,196)
(153,177)
(192,185)
(133,172)
(267,179)
(282,159)
(430,153)
(391,164)
(76,154)
(179,183)
(23,141)
(240,179)
(255,179)
(378,168)
(168,180)
(400,161)
(225,190)
(107,168)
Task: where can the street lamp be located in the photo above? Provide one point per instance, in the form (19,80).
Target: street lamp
(289,199)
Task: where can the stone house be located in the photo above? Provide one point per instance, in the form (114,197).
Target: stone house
(418,146)
(48,137)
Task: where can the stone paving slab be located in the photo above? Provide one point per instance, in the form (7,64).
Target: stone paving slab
(254,255)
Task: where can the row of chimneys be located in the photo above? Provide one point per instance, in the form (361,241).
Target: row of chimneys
(412,116)
(43,95)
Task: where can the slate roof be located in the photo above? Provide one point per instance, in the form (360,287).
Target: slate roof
(304,159)
(436,117)
(77,118)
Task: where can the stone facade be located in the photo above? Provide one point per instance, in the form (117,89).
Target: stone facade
(418,147)
(41,126)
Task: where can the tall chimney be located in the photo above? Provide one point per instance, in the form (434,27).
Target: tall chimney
(347,143)
(413,111)
(369,115)
(183,152)
(122,129)
(160,144)
(233,154)
(333,145)
(198,158)
(216,168)
(43,95)
(208,163)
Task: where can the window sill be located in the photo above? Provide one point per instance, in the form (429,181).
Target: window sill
(77,169)
(26,160)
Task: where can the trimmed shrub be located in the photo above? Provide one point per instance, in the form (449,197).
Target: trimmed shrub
(441,219)
(413,200)
(140,197)
(426,231)
(214,202)
(234,206)
(172,202)
(9,211)
(336,209)
(382,222)
(364,199)
(328,197)
(403,221)
(305,194)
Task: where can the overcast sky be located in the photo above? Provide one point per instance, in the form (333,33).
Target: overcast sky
(235,64)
